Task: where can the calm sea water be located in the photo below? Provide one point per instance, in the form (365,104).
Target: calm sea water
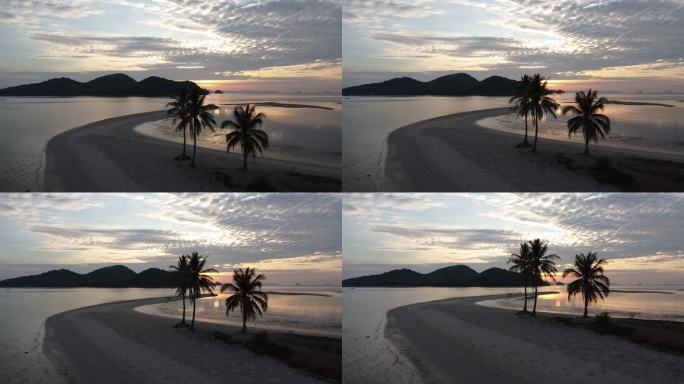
(650,303)
(305,309)
(368,120)
(302,134)
(27,123)
(22,325)
(367,357)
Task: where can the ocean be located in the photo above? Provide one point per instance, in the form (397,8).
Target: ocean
(28,123)
(368,120)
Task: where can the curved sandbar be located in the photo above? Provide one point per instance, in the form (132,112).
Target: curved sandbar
(113,343)
(457,341)
(110,156)
(453,153)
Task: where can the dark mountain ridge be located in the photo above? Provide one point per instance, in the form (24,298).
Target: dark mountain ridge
(457,84)
(452,276)
(116,276)
(117,84)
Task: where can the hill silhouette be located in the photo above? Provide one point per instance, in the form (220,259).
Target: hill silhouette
(452,276)
(457,84)
(116,276)
(117,84)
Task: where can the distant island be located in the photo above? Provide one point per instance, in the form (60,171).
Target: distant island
(117,84)
(116,276)
(458,84)
(452,276)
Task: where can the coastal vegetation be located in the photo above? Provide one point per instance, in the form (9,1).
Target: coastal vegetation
(181,280)
(591,283)
(588,120)
(245,132)
(541,103)
(178,112)
(521,103)
(533,264)
(198,280)
(246,295)
(521,265)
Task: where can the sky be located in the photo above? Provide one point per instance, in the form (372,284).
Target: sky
(640,235)
(233,45)
(292,238)
(610,45)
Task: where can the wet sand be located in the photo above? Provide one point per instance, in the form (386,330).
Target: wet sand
(454,153)
(112,343)
(110,156)
(458,341)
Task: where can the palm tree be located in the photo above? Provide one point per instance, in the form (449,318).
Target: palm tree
(178,110)
(541,265)
(521,265)
(591,282)
(521,103)
(247,295)
(199,117)
(199,281)
(251,139)
(591,123)
(181,281)
(540,103)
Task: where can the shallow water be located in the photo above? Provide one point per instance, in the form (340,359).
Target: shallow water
(319,314)
(368,120)
(309,134)
(367,357)
(27,123)
(650,303)
(22,324)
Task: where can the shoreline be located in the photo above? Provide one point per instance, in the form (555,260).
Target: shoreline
(110,156)
(453,153)
(456,338)
(125,345)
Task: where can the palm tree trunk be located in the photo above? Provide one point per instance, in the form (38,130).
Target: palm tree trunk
(184,155)
(183,321)
(244,159)
(525,305)
(586,304)
(534,308)
(525,141)
(586,146)
(536,130)
(244,323)
(194,149)
(194,301)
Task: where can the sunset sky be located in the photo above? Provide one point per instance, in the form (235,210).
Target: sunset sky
(629,46)
(639,234)
(231,45)
(292,238)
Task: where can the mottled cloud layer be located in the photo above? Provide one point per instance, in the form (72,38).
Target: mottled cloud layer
(636,232)
(579,39)
(221,40)
(275,232)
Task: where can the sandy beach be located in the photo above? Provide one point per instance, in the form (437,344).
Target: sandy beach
(111,156)
(458,341)
(112,343)
(455,153)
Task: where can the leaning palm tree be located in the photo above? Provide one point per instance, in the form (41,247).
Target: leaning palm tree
(199,281)
(589,121)
(521,103)
(178,110)
(199,117)
(181,281)
(251,139)
(591,283)
(541,103)
(247,295)
(541,265)
(521,265)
